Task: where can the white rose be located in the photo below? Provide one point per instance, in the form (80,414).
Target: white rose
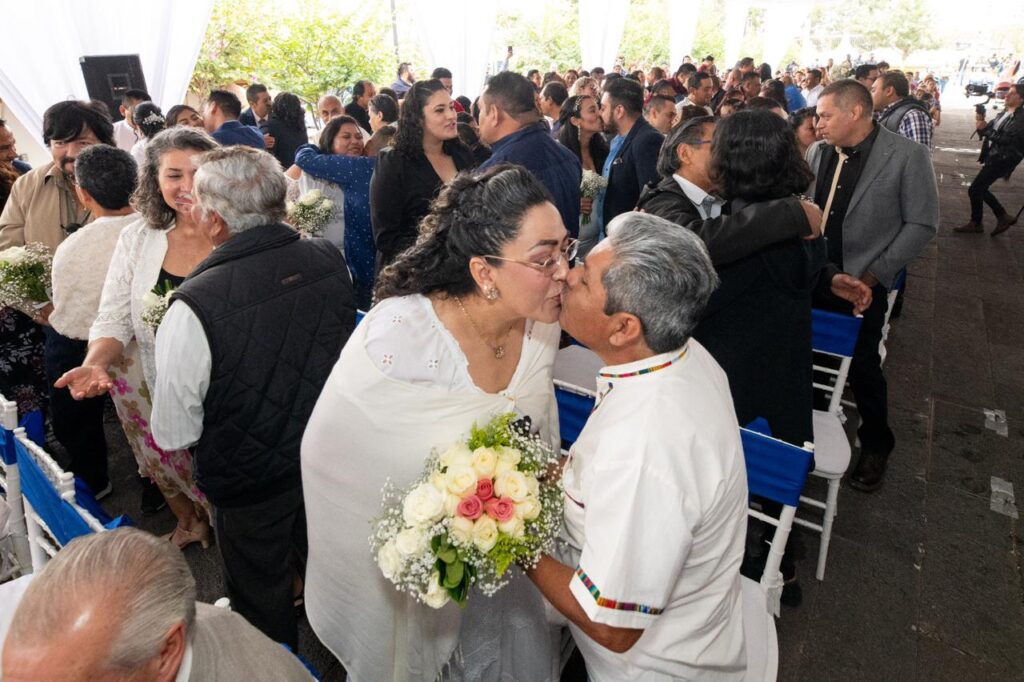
(460,531)
(151,300)
(437,480)
(484,462)
(13,255)
(510,455)
(389,560)
(328,205)
(528,509)
(456,454)
(485,534)
(289,207)
(310,197)
(436,596)
(504,466)
(460,479)
(512,484)
(424,504)
(451,503)
(411,542)
(534,485)
(514,527)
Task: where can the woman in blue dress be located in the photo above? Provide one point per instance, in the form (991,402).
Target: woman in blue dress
(338,159)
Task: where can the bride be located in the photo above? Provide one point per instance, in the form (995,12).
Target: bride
(465,329)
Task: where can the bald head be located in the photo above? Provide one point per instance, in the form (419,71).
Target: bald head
(329,106)
(117,605)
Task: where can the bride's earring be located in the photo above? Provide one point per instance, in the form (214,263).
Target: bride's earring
(491,294)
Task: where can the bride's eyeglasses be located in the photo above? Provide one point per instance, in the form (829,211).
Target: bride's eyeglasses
(550,265)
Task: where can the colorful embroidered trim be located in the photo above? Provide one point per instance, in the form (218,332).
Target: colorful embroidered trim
(611,603)
(645,370)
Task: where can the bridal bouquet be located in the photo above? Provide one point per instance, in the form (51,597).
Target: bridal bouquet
(310,213)
(481,505)
(25,277)
(155,304)
(591,187)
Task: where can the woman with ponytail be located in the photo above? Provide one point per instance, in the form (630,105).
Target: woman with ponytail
(465,328)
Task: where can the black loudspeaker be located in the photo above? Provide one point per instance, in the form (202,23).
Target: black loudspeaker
(108,76)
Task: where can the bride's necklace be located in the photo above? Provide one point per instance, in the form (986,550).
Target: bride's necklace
(498,350)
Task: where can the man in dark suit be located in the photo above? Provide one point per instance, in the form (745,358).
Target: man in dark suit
(259,106)
(881,204)
(122,605)
(220,116)
(358,108)
(633,155)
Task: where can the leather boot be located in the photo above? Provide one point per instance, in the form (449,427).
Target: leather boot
(1003,223)
(970,228)
(870,471)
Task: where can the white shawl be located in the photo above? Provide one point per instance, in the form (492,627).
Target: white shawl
(368,428)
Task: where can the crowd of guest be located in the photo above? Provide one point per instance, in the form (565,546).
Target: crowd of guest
(729,204)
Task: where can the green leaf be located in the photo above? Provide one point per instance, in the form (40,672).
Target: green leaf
(454,574)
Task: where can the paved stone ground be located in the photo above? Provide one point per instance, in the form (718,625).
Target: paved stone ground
(923,581)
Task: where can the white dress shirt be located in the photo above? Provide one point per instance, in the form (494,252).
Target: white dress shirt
(125,136)
(708,205)
(656,510)
(183,364)
(79,269)
(811,95)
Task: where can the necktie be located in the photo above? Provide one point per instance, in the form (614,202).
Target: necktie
(706,204)
(832,190)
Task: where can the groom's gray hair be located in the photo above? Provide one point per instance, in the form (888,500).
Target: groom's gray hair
(661,273)
(243,185)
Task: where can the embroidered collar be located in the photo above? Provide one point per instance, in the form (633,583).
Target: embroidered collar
(645,366)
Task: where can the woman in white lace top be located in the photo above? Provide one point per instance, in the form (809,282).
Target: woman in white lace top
(466,329)
(153,254)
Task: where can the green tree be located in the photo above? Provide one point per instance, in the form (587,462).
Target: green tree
(905,25)
(553,41)
(232,44)
(645,41)
(317,50)
(710,34)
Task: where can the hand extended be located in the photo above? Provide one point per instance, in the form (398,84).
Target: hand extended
(87,381)
(849,288)
(814,215)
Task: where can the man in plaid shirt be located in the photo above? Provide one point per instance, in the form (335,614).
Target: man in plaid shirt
(896,110)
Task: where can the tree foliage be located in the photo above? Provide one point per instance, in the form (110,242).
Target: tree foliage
(645,41)
(308,51)
(551,41)
(905,25)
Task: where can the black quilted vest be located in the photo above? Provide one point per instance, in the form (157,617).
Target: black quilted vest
(277,310)
(892,118)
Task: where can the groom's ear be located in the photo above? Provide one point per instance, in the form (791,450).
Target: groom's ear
(625,330)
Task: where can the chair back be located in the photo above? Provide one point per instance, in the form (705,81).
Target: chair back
(833,335)
(575,370)
(15,557)
(776,470)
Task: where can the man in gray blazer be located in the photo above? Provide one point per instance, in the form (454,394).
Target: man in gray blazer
(122,605)
(880,202)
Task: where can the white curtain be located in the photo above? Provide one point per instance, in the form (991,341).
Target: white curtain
(682,29)
(601,27)
(735,25)
(783,23)
(44,39)
(456,34)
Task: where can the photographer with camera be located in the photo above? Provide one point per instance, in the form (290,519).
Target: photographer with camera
(1002,148)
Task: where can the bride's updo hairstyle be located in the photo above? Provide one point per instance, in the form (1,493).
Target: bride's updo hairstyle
(475,215)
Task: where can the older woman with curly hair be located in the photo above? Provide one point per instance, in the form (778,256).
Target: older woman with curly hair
(153,255)
(426,155)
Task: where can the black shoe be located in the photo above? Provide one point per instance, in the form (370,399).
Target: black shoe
(152,499)
(870,471)
(792,593)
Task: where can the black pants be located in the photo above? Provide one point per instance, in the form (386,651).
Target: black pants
(78,424)
(263,546)
(867,380)
(979,191)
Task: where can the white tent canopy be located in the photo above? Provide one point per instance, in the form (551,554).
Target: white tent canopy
(44,40)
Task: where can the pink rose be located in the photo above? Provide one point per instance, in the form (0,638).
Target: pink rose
(500,508)
(485,489)
(471,507)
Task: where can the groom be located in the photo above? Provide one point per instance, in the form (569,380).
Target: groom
(655,486)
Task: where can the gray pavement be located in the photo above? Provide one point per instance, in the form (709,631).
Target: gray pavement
(923,579)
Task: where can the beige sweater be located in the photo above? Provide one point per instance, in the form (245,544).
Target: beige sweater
(79,269)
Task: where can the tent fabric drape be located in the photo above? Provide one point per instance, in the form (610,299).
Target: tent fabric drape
(601,28)
(44,40)
(456,34)
(682,29)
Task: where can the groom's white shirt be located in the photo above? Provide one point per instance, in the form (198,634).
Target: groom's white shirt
(655,507)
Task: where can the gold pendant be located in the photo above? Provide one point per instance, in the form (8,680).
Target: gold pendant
(499,352)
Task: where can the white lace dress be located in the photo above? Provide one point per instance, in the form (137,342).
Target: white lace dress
(401,387)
